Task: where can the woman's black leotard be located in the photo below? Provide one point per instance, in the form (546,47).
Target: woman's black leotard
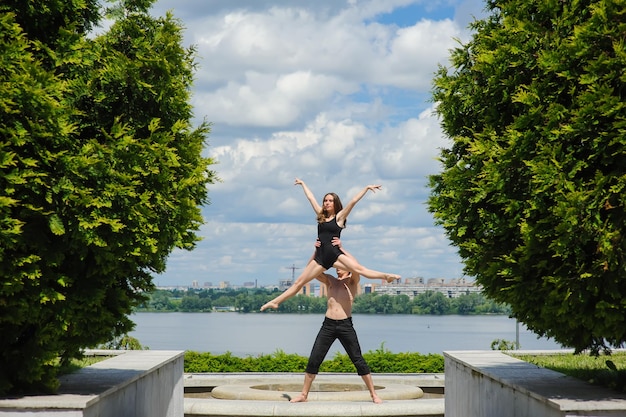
(327,254)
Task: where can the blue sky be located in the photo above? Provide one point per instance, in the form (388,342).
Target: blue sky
(335,93)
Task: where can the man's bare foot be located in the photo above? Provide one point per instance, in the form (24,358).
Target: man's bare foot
(376,399)
(391,277)
(299,399)
(270,304)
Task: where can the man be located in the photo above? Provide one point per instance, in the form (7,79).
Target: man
(337,325)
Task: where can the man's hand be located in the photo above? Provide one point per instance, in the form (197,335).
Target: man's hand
(335,242)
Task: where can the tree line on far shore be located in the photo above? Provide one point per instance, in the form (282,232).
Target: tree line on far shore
(251,300)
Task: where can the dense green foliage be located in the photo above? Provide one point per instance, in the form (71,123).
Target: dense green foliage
(605,370)
(503,344)
(101,175)
(123,342)
(380,361)
(248,301)
(533,186)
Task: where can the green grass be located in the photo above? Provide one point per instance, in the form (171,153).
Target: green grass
(604,370)
(76,364)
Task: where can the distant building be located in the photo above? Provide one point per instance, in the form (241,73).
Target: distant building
(416,280)
(308,289)
(369,288)
(323,292)
(224,284)
(453,289)
(283,284)
(194,284)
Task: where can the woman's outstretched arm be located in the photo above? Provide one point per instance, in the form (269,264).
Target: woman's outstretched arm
(343,214)
(309,195)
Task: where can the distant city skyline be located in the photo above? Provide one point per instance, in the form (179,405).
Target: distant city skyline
(283,284)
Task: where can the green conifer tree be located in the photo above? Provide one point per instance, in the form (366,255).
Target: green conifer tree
(101,175)
(533,186)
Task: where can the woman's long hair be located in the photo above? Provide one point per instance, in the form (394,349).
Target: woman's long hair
(322,215)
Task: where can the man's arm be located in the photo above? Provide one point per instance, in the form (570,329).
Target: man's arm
(323,278)
(354,278)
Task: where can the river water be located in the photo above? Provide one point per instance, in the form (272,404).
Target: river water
(255,334)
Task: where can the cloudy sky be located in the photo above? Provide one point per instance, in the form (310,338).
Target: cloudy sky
(337,93)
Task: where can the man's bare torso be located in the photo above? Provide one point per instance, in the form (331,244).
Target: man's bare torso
(341,294)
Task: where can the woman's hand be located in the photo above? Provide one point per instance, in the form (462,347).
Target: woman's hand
(309,195)
(374,187)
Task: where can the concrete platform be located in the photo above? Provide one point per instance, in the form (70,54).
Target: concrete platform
(200,403)
(406,408)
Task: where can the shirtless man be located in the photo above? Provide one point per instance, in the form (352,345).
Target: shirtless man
(337,325)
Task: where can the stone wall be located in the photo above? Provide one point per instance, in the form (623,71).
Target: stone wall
(132,384)
(494,384)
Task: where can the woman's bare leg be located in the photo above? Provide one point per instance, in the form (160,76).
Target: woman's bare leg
(349,263)
(310,272)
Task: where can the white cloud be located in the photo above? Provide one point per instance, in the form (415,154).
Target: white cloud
(414,53)
(282,65)
(326,92)
(268,99)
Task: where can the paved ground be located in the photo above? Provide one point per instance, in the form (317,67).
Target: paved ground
(201,403)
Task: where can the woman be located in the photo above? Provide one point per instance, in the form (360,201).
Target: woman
(331,219)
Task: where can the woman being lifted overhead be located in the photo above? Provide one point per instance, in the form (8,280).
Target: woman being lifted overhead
(331,219)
